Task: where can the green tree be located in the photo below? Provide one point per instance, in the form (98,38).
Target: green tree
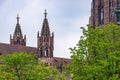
(23,66)
(97,54)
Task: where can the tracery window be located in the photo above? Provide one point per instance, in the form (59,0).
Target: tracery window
(101,15)
(118,4)
(118,16)
(18,41)
(118,12)
(46,52)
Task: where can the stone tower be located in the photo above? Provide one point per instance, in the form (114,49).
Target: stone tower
(45,40)
(17,38)
(105,11)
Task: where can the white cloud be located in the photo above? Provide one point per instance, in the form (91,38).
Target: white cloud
(63,44)
(66,41)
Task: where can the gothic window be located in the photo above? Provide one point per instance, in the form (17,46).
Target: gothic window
(118,4)
(118,16)
(118,12)
(18,41)
(92,4)
(41,52)
(45,39)
(101,15)
(110,10)
(46,52)
(110,3)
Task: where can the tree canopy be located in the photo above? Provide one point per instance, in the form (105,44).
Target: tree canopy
(23,66)
(97,54)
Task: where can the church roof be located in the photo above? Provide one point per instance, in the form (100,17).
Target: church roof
(8,48)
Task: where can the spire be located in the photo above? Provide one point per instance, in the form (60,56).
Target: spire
(18,29)
(45,27)
(17,36)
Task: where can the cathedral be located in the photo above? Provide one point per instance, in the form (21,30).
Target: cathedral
(104,11)
(44,49)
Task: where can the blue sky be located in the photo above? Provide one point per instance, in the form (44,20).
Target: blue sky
(65,19)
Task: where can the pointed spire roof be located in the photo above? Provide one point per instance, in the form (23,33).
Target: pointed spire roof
(45,27)
(18,28)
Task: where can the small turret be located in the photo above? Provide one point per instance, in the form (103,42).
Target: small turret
(17,36)
(45,40)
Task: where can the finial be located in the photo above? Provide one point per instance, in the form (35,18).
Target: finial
(10,36)
(17,14)
(38,34)
(45,13)
(18,18)
(25,37)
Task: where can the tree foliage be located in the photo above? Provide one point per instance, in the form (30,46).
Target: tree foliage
(23,66)
(97,54)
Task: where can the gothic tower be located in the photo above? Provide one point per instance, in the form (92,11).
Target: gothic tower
(105,11)
(45,40)
(17,38)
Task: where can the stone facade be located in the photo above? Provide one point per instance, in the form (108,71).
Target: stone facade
(104,11)
(56,61)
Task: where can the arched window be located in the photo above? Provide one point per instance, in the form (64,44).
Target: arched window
(118,13)
(118,4)
(41,52)
(18,41)
(46,52)
(118,16)
(101,15)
